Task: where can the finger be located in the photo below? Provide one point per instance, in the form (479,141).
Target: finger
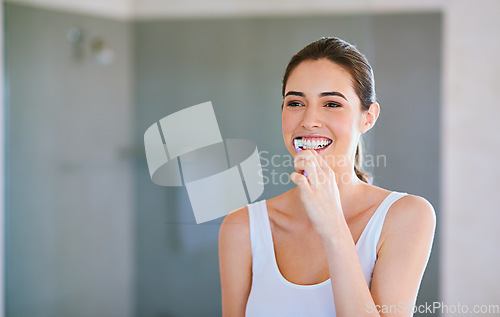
(300,180)
(307,162)
(321,162)
(324,173)
(323,165)
(300,162)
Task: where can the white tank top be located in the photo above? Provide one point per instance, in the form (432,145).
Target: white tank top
(273,295)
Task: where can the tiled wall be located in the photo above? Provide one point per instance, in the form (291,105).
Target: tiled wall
(69,230)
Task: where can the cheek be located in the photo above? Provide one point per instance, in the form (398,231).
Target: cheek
(341,125)
(349,124)
(287,123)
(344,130)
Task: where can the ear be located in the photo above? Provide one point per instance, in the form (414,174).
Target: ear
(370,117)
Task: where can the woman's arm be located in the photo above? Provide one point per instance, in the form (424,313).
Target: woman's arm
(405,246)
(235,261)
(402,258)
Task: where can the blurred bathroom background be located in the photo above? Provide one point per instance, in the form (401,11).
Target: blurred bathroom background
(86,231)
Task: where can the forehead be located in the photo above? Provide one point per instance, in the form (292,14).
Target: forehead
(316,76)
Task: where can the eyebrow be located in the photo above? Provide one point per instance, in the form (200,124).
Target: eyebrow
(323,94)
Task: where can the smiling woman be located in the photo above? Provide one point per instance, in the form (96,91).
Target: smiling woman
(335,245)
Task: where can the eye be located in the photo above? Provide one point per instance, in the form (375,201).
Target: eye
(333,105)
(294,104)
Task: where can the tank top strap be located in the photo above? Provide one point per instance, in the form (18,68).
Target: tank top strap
(374,227)
(368,241)
(260,235)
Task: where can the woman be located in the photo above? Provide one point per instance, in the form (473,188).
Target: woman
(335,245)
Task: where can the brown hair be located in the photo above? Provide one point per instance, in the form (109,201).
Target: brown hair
(346,55)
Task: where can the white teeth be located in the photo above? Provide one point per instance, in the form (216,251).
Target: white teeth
(307,144)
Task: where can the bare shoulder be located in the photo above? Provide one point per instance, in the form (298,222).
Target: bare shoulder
(409,208)
(410,215)
(238,218)
(412,208)
(235,228)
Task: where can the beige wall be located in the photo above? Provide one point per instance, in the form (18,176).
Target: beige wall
(471,148)
(470,213)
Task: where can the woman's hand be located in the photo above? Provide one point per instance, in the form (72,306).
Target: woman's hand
(318,191)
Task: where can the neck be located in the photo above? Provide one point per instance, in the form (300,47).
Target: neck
(349,186)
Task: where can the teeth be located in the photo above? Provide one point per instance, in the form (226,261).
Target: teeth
(308,144)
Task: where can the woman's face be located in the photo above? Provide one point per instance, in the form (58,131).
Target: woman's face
(321,108)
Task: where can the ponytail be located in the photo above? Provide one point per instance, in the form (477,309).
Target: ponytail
(358,165)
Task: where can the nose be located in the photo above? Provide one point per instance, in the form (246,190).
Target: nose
(311,118)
